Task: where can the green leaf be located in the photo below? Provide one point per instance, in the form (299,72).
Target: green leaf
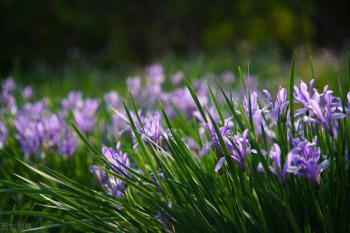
(291,94)
(194,97)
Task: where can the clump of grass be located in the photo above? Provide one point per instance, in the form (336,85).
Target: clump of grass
(279,165)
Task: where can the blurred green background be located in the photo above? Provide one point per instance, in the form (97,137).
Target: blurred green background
(55,40)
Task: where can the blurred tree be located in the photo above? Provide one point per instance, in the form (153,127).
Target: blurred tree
(123,31)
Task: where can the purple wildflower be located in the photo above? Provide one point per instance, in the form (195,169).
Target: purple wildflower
(304,94)
(201,89)
(212,111)
(84,116)
(50,126)
(196,147)
(134,85)
(117,126)
(9,84)
(68,142)
(228,77)
(29,126)
(151,128)
(112,99)
(251,81)
(278,107)
(155,73)
(305,158)
(6,98)
(145,96)
(324,108)
(239,149)
(224,131)
(260,168)
(163,218)
(180,99)
(74,100)
(116,157)
(39,130)
(27,92)
(277,168)
(113,185)
(28,135)
(254,109)
(177,78)
(83,110)
(151,94)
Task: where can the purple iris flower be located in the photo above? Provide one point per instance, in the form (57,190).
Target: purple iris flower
(224,131)
(9,103)
(84,116)
(304,94)
(113,185)
(305,158)
(151,94)
(251,81)
(151,128)
(255,110)
(147,95)
(28,135)
(155,73)
(30,130)
(39,130)
(7,100)
(277,168)
(279,106)
(84,110)
(50,126)
(116,157)
(3,134)
(324,108)
(201,89)
(134,85)
(9,84)
(180,99)
(74,100)
(239,148)
(112,99)
(117,126)
(67,143)
(210,110)
(27,92)
(201,151)
(177,78)
(228,77)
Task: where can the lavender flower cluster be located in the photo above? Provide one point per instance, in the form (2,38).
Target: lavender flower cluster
(303,158)
(83,110)
(39,129)
(118,161)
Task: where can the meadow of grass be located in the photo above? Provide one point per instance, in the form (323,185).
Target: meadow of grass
(188,146)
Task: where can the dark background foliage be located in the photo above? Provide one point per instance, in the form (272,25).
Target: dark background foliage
(129,31)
